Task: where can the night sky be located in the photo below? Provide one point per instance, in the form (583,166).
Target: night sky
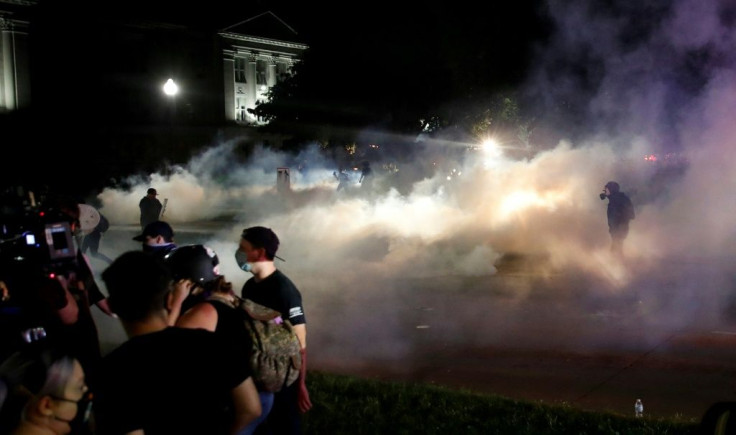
(616,69)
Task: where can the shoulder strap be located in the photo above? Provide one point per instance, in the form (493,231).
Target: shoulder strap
(216,297)
(257,311)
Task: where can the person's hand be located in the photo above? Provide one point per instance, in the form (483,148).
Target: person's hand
(4,291)
(182,289)
(72,284)
(303,398)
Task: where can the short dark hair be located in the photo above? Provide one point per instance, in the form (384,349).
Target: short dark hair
(137,284)
(262,237)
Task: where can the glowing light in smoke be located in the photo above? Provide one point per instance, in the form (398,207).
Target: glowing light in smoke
(491,148)
(492,151)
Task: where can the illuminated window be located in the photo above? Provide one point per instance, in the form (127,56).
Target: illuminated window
(240,70)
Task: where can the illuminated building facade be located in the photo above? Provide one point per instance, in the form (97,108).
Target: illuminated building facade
(257,54)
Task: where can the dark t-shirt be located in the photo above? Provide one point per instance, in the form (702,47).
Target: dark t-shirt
(150,210)
(231,325)
(174,381)
(278,293)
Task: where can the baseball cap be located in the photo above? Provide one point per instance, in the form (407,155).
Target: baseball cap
(156,228)
(262,237)
(152,191)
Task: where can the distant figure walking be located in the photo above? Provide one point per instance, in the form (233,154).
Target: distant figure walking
(342,179)
(620,211)
(150,208)
(366,175)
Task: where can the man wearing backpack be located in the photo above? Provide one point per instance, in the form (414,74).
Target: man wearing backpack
(620,211)
(271,288)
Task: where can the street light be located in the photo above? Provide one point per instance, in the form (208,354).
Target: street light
(171,89)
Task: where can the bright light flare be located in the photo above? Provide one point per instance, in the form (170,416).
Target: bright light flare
(491,148)
(170,88)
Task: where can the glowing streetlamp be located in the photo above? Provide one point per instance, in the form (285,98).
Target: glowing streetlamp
(171,88)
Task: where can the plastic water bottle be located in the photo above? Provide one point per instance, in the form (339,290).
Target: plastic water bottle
(638,408)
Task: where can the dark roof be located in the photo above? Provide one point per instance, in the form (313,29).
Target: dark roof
(265,25)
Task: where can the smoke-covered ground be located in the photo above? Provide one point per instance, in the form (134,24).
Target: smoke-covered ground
(512,252)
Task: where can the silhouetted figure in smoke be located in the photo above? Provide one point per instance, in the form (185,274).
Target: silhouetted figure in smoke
(366,176)
(342,178)
(620,212)
(150,208)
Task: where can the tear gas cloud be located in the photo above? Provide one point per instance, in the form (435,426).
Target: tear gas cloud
(657,83)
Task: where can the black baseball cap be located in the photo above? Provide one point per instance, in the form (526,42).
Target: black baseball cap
(262,237)
(152,191)
(156,228)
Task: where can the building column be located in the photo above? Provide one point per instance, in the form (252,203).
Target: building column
(271,79)
(7,72)
(250,77)
(228,71)
(15,82)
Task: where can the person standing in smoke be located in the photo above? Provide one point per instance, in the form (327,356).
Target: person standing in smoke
(150,208)
(366,176)
(271,288)
(620,211)
(342,178)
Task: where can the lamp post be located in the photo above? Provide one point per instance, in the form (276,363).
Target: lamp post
(171,89)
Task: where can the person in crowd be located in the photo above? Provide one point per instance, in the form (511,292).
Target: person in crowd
(150,208)
(217,311)
(92,240)
(167,380)
(66,298)
(157,238)
(366,176)
(619,212)
(84,271)
(271,288)
(46,393)
(343,179)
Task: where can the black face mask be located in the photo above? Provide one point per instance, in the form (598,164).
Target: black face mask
(84,410)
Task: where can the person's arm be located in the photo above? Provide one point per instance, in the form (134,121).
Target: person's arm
(246,405)
(56,292)
(303,397)
(105,307)
(69,313)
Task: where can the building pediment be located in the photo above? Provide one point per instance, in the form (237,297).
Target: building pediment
(266,26)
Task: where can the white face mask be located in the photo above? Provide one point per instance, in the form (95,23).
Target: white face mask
(242,259)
